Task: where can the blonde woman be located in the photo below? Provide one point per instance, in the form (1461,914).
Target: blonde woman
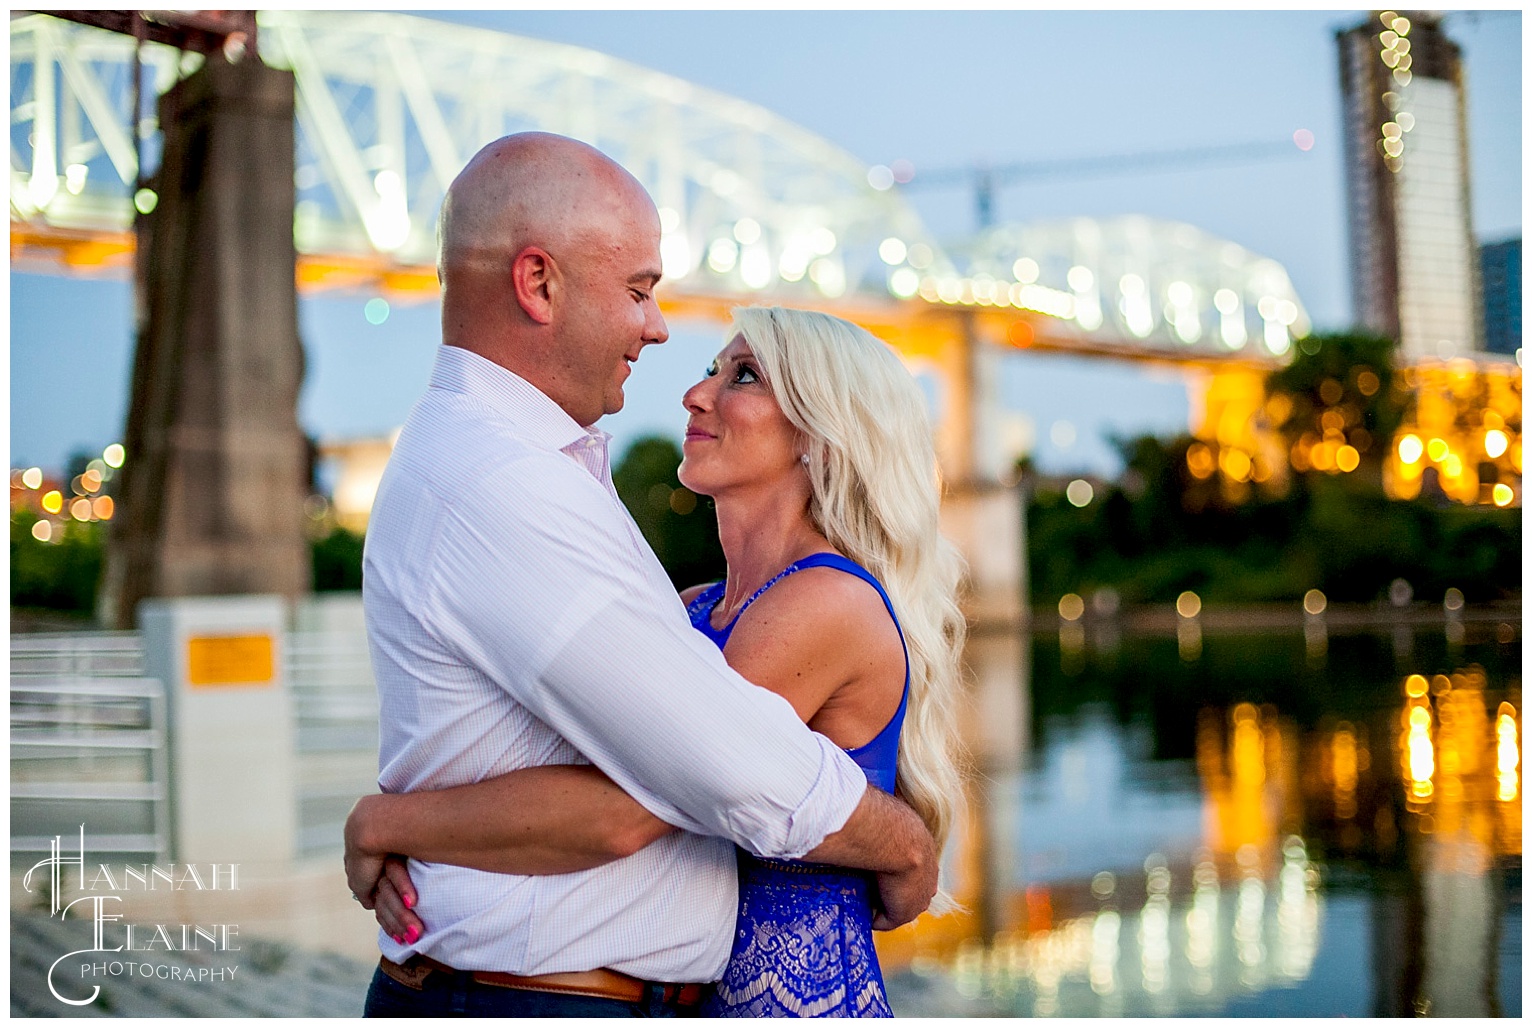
(812,439)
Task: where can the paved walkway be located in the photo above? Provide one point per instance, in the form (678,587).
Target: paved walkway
(268,979)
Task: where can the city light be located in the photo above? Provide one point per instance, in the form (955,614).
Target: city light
(1502,494)
(114,455)
(892,250)
(1495,442)
(1507,753)
(1071,607)
(145,200)
(1314,602)
(376,311)
(80,509)
(1188,604)
(53,501)
(32,477)
(1079,492)
(42,531)
(103,507)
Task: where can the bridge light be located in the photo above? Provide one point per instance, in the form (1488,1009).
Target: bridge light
(920,256)
(828,275)
(1503,494)
(725,182)
(880,177)
(1410,449)
(794,262)
(1026,270)
(675,255)
(114,455)
(722,255)
(892,250)
(146,200)
(755,267)
(747,231)
(1437,449)
(823,241)
(1495,442)
(1080,278)
(74,178)
(670,219)
(904,283)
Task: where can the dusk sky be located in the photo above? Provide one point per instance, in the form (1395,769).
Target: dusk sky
(943,90)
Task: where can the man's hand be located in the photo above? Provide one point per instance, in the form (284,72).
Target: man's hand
(904,895)
(885,836)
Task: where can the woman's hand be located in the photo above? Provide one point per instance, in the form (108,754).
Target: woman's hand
(379,881)
(394,902)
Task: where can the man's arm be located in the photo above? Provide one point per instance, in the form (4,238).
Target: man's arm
(561,609)
(886,836)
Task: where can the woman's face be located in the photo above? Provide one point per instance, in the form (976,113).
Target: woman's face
(736,435)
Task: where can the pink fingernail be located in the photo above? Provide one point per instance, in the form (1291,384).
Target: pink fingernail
(412,933)
(399,939)
(409,902)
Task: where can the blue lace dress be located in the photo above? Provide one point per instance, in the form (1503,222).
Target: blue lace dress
(803,942)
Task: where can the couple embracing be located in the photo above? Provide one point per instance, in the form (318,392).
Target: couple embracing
(611,799)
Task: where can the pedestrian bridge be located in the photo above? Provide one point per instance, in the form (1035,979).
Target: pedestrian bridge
(753,207)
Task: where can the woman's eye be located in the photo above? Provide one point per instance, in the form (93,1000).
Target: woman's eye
(745,375)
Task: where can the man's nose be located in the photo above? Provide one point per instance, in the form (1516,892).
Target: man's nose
(655,329)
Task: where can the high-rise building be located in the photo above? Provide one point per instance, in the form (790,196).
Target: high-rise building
(1500,272)
(1415,266)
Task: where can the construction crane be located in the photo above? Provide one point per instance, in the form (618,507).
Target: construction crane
(985,179)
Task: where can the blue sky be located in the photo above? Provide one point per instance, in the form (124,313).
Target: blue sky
(941,89)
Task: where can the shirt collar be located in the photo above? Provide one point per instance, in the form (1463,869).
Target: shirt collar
(541,420)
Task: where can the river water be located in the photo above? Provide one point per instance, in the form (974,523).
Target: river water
(1268,824)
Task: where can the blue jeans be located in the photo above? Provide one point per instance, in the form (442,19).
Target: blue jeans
(458,995)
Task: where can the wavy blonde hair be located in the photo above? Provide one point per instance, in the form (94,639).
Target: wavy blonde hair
(876,494)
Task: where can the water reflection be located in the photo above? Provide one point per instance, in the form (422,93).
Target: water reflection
(1234,824)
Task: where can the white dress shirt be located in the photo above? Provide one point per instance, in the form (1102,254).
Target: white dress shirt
(516,617)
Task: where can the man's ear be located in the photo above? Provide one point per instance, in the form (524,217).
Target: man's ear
(535,280)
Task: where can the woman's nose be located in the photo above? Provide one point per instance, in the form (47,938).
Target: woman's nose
(698,397)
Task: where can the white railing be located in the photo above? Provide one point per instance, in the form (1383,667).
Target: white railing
(335,710)
(88,743)
(89,739)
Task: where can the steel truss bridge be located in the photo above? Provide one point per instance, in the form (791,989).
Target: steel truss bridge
(753,207)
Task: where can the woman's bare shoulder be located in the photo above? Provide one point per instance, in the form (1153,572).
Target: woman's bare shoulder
(824,606)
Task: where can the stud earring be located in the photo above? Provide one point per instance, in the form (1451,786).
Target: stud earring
(805,459)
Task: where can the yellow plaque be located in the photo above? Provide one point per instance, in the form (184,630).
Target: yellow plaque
(229,660)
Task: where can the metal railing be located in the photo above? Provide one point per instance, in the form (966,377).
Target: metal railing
(90,739)
(335,709)
(88,743)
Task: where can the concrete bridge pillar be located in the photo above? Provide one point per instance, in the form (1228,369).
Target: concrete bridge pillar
(213,493)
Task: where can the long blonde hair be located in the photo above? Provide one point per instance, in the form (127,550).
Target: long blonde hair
(876,495)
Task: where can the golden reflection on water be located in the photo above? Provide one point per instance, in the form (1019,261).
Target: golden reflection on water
(1249,917)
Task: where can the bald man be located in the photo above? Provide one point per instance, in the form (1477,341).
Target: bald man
(518,620)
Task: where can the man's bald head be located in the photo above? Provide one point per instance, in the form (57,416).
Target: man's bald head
(535,189)
(550,252)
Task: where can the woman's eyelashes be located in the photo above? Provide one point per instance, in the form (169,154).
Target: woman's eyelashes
(744,374)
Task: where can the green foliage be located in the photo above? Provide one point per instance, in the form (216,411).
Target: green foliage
(337,561)
(1353,375)
(62,575)
(1339,534)
(678,524)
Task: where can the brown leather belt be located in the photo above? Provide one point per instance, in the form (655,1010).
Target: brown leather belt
(600,983)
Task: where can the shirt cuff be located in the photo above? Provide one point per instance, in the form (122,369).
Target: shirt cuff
(837,791)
